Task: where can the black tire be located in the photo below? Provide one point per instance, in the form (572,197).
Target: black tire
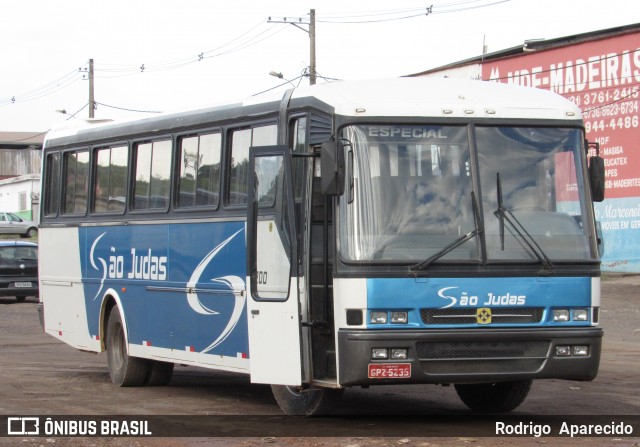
(32,232)
(160,373)
(21,298)
(498,397)
(309,402)
(123,369)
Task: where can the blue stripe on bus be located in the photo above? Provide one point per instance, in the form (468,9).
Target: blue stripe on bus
(413,294)
(176,283)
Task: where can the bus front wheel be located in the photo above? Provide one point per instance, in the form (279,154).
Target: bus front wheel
(123,369)
(499,397)
(294,401)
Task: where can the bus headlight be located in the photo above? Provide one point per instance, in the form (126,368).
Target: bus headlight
(398,354)
(379,354)
(399,317)
(378,318)
(580,315)
(561,315)
(581,351)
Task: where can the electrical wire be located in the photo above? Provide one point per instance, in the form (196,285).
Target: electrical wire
(242,41)
(45,90)
(403,14)
(126,109)
(468,8)
(249,38)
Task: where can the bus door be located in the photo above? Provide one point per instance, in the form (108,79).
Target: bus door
(273,305)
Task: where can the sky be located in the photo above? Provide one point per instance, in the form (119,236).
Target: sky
(155,56)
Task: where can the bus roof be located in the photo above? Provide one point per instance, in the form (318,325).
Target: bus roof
(441,97)
(399,97)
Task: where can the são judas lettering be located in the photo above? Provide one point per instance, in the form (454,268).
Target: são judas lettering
(145,265)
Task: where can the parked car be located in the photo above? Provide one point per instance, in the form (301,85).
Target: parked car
(19,269)
(12,224)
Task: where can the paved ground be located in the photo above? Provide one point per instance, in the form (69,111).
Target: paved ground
(42,376)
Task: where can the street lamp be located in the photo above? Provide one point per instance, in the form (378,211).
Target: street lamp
(279,75)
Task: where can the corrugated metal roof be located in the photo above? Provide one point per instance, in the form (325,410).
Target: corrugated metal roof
(538,45)
(21,140)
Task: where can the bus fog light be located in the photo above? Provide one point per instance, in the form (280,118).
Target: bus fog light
(563,351)
(379,354)
(398,354)
(580,315)
(581,351)
(399,317)
(561,315)
(378,318)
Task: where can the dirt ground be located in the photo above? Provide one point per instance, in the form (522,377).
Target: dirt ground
(42,376)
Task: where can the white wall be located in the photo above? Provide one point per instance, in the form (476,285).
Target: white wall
(11,191)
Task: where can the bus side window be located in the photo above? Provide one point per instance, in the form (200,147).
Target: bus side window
(241,141)
(52,195)
(111,179)
(152,174)
(199,161)
(76,182)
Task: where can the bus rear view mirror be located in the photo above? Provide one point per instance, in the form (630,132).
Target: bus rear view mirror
(332,165)
(596,178)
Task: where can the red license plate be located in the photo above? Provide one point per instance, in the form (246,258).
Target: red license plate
(389,370)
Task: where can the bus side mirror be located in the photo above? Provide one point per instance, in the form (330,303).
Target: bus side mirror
(332,166)
(596,178)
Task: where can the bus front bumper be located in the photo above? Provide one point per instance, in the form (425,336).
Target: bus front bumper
(468,356)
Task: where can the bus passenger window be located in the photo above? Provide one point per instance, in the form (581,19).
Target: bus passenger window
(111,179)
(241,141)
(152,173)
(199,159)
(52,197)
(238,168)
(76,182)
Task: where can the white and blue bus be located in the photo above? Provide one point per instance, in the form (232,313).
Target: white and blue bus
(408,231)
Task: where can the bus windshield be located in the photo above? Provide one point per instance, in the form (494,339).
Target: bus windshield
(413,196)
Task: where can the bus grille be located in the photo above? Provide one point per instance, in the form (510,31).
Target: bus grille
(482,357)
(499,315)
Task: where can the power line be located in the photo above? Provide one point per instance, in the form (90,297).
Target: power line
(467,8)
(403,14)
(280,85)
(126,109)
(45,90)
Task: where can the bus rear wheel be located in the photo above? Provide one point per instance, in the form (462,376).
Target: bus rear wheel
(124,370)
(294,401)
(498,397)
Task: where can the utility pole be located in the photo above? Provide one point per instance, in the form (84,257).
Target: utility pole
(92,102)
(312,39)
(312,47)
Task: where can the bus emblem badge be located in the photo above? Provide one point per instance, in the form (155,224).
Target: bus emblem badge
(483,315)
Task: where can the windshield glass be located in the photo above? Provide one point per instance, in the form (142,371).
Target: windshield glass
(18,253)
(539,178)
(411,193)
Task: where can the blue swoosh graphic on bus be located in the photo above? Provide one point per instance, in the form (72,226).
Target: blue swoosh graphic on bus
(102,261)
(237,285)
(192,295)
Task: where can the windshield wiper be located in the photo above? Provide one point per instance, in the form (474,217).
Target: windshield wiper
(505,215)
(456,243)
